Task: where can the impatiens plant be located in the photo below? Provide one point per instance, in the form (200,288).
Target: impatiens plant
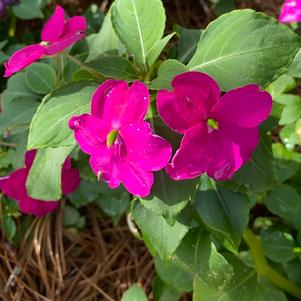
(196,141)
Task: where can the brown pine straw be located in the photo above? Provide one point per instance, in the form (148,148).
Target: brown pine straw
(53,263)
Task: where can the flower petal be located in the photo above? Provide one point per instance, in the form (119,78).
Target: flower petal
(23,58)
(192,158)
(29,157)
(136,180)
(53,28)
(37,207)
(70,180)
(225,157)
(147,150)
(245,107)
(89,132)
(105,162)
(290,11)
(190,102)
(63,43)
(118,105)
(75,25)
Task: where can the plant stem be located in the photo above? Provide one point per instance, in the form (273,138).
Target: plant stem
(264,269)
(90,70)
(60,67)
(8,144)
(12,26)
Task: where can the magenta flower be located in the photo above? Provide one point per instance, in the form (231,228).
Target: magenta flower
(290,11)
(57,35)
(220,132)
(14,186)
(122,147)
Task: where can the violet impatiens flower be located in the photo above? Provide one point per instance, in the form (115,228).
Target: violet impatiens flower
(121,145)
(57,35)
(290,11)
(14,186)
(220,132)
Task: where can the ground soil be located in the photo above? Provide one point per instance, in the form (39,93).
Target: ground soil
(101,262)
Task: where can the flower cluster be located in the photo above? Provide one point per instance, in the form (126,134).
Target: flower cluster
(14,186)
(220,132)
(57,35)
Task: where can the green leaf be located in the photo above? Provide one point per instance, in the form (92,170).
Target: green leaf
(41,78)
(17,87)
(289,136)
(16,116)
(295,68)
(71,216)
(169,197)
(278,245)
(282,84)
(114,207)
(235,50)
(29,9)
(274,294)
(293,270)
(44,179)
(139,25)
(163,237)
(104,41)
(284,201)
(134,293)
(223,6)
(243,286)
(291,112)
(163,292)
(200,256)
(188,42)
(156,50)
(167,71)
(49,127)
(174,275)
(225,213)
(114,67)
(10,227)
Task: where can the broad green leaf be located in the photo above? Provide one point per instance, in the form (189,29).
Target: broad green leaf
(224,212)
(245,47)
(44,179)
(162,236)
(284,201)
(139,25)
(49,127)
(41,78)
(9,227)
(287,99)
(156,50)
(278,245)
(188,42)
(17,115)
(17,87)
(223,6)
(243,286)
(293,270)
(174,274)
(134,293)
(94,17)
(71,216)
(198,253)
(167,71)
(274,294)
(169,197)
(104,41)
(114,67)
(29,9)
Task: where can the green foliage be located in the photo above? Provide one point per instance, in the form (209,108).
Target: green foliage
(29,9)
(134,293)
(221,49)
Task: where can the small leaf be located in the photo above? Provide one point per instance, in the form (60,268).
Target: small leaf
(41,78)
(282,84)
(44,179)
(162,236)
(10,228)
(278,245)
(29,9)
(134,293)
(295,68)
(167,71)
